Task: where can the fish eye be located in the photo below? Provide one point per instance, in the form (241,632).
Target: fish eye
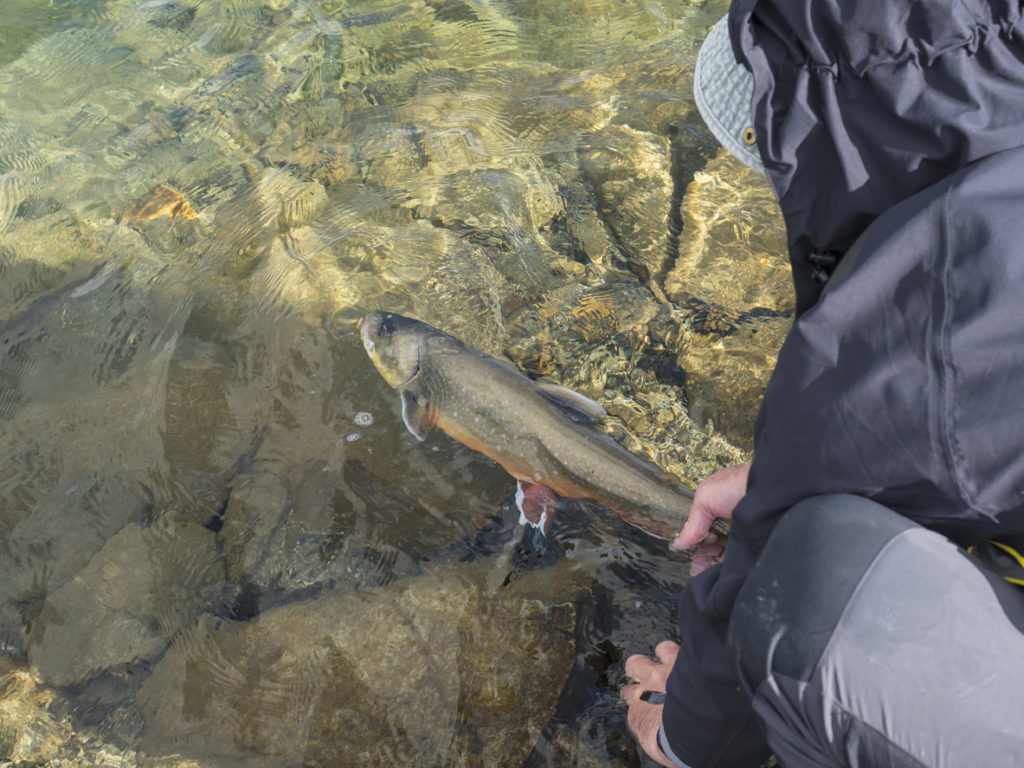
(385,327)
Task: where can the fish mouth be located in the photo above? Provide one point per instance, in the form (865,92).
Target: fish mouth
(364,331)
(367,330)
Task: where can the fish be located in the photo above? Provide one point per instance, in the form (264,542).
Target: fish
(544,435)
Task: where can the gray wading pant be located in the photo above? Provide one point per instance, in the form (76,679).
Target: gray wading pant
(864,639)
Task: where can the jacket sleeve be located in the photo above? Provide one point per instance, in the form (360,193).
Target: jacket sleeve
(707,719)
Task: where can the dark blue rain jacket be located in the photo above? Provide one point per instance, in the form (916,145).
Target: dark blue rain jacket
(893,136)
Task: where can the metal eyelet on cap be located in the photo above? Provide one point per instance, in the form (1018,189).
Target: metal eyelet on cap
(748,136)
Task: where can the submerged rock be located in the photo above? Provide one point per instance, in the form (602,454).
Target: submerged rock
(729,373)
(29,733)
(733,286)
(127,603)
(448,669)
(631,173)
(36,729)
(728,256)
(286,536)
(53,542)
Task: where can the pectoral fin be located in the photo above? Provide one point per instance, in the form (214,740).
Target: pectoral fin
(418,413)
(536,505)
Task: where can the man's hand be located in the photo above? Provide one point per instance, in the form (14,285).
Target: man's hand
(644,718)
(716,497)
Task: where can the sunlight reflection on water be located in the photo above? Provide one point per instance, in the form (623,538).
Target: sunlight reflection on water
(222,546)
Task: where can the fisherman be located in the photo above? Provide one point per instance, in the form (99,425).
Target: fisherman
(867,610)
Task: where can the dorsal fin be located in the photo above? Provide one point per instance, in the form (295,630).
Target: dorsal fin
(574,405)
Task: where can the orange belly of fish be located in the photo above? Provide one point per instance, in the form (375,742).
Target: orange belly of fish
(514,465)
(562,486)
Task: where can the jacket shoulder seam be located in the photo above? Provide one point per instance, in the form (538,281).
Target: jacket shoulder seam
(952,451)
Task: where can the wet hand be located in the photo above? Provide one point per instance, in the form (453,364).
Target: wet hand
(716,497)
(709,552)
(650,676)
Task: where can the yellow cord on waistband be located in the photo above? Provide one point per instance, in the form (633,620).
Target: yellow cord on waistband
(1017,556)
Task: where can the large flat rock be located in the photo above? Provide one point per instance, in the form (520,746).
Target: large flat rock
(447,669)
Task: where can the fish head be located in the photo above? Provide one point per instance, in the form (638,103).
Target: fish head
(394,344)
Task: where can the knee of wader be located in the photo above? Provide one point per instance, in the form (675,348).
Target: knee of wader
(787,609)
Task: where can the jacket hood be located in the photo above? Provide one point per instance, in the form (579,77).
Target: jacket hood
(858,106)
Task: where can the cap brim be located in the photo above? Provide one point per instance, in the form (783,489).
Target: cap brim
(723,90)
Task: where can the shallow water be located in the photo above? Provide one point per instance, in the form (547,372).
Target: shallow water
(220,544)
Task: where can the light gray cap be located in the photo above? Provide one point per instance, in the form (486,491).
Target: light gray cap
(723,90)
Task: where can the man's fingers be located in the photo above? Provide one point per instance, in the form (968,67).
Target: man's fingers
(716,496)
(637,694)
(666,652)
(643,721)
(647,673)
(640,667)
(694,530)
(709,553)
(646,697)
